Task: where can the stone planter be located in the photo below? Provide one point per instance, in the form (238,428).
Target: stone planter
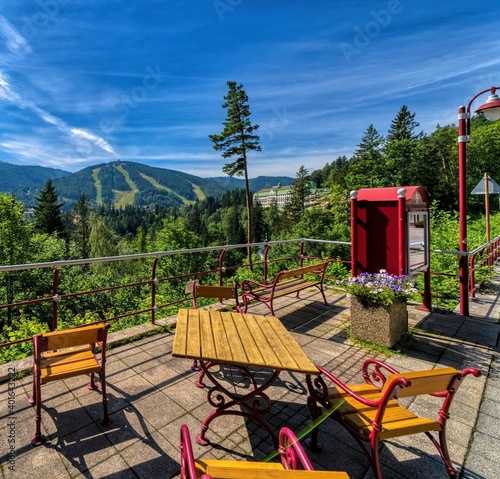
(378,324)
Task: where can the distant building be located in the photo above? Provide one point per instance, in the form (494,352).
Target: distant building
(281,195)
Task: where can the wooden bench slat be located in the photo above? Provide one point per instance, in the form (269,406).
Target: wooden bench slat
(63,366)
(424,382)
(261,470)
(179,347)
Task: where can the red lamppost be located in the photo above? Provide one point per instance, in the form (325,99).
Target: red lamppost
(491,111)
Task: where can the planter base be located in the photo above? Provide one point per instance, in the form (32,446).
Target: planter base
(379,324)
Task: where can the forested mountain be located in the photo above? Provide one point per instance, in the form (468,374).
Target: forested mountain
(122,183)
(13,177)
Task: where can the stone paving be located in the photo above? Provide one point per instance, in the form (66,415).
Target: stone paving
(151,394)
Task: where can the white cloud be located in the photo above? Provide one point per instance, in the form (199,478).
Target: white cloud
(16,43)
(97,140)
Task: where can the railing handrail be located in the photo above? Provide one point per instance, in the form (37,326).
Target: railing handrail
(157,254)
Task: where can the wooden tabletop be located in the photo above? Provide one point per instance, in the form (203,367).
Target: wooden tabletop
(241,339)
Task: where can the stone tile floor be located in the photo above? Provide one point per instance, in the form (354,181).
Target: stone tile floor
(151,394)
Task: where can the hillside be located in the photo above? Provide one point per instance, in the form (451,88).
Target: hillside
(122,183)
(13,177)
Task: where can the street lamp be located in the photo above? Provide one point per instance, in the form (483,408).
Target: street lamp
(491,111)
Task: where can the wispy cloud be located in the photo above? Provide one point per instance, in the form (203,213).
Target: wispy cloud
(17,45)
(77,135)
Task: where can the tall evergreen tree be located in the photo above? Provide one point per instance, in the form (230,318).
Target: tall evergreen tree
(403,150)
(299,191)
(366,168)
(237,139)
(403,126)
(48,215)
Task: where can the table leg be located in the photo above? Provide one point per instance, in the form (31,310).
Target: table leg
(253,404)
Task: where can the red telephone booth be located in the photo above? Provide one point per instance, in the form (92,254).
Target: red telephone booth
(390,230)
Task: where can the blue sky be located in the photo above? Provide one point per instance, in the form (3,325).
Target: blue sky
(84,82)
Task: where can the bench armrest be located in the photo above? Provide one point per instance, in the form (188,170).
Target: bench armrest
(375,372)
(248,284)
(380,404)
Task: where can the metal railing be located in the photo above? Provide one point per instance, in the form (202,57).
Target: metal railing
(486,254)
(217,273)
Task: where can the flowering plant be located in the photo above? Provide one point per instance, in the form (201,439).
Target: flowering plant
(379,289)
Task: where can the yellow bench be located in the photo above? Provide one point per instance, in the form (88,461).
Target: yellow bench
(291,453)
(64,354)
(284,283)
(371,413)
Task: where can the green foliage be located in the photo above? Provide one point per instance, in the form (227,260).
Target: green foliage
(22,328)
(48,216)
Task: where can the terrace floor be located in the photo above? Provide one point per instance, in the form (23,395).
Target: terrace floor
(151,394)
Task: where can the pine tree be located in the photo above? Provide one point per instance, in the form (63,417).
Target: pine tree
(236,141)
(403,150)
(366,168)
(48,216)
(299,191)
(403,126)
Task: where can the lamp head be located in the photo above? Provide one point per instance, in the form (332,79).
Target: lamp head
(491,109)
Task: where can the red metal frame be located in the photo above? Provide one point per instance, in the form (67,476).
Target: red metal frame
(292,455)
(464,124)
(252,405)
(375,373)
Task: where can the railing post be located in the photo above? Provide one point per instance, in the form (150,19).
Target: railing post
(301,254)
(472,283)
(354,233)
(154,281)
(55,299)
(221,266)
(266,250)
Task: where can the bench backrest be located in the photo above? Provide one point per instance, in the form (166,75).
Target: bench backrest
(313,268)
(429,381)
(68,338)
(210,291)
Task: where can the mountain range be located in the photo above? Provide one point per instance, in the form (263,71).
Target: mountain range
(122,183)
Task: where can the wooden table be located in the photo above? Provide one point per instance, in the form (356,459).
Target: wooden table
(242,341)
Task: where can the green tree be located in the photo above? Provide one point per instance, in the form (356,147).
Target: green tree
(237,139)
(366,168)
(14,246)
(299,192)
(81,224)
(102,240)
(48,216)
(403,152)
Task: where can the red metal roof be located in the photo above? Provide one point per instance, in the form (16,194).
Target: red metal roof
(391,193)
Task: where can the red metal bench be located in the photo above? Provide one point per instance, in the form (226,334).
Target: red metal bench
(294,463)
(284,283)
(371,413)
